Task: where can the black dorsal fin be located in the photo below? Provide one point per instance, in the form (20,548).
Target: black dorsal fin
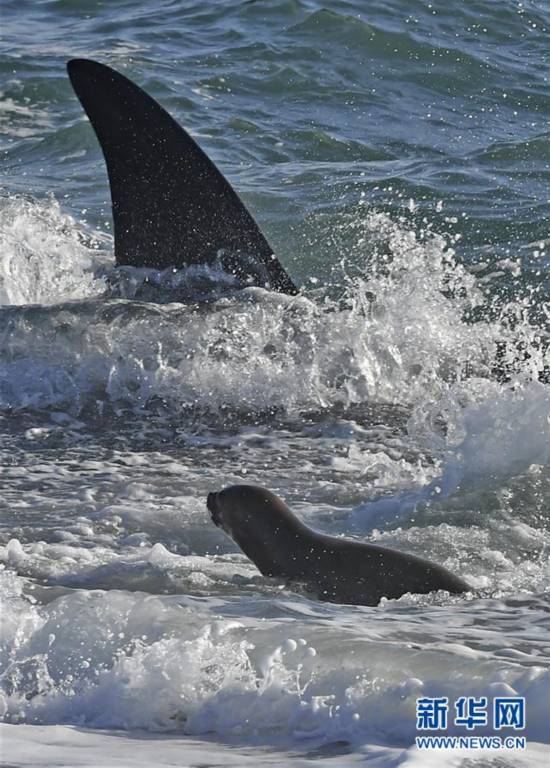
(171,206)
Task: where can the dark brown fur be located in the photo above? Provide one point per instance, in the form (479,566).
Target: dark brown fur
(337,570)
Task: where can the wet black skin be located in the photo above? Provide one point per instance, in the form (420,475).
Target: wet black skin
(336,570)
(171,206)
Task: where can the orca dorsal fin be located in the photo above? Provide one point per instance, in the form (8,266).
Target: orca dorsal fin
(171,206)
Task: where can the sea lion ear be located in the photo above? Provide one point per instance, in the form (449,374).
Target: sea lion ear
(171,206)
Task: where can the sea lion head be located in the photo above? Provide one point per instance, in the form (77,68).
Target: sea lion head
(259,523)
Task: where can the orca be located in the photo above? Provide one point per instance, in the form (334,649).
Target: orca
(172,207)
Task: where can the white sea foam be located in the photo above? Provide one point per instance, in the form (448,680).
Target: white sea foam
(170,664)
(76,746)
(45,255)
(399,334)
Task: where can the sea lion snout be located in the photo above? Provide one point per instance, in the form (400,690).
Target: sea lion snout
(212,504)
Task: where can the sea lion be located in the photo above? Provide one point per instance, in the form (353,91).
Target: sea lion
(335,570)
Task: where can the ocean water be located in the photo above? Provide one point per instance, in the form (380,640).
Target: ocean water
(396,155)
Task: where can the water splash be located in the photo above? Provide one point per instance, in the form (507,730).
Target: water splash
(45,255)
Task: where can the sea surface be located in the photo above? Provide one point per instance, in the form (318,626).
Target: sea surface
(396,155)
